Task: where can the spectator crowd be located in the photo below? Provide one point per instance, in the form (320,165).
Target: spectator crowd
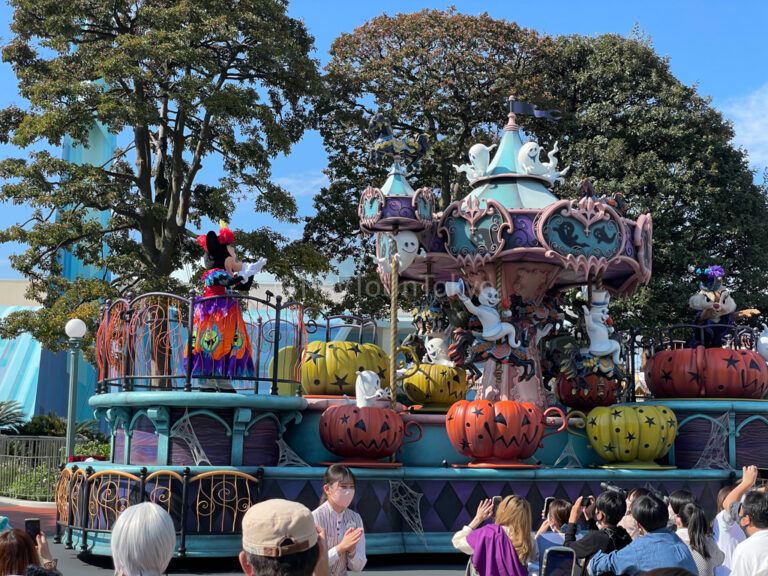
(618,532)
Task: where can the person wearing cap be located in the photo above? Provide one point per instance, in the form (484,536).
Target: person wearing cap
(751,556)
(280,537)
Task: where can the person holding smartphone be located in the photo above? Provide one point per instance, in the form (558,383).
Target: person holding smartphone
(555,514)
(503,548)
(604,535)
(657,547)
(18,553)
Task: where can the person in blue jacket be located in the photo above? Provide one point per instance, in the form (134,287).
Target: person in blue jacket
(658,547)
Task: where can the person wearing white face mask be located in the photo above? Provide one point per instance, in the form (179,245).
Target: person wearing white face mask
(343,527)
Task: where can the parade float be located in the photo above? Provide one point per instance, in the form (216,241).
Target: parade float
(219,400)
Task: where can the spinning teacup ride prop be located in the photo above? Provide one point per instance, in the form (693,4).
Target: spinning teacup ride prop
(499,434)
(629,436)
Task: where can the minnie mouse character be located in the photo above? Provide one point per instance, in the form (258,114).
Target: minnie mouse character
(221,346)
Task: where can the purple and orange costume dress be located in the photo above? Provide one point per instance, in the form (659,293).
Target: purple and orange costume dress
(221,345)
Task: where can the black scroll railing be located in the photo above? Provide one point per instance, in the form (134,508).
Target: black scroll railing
(147,343)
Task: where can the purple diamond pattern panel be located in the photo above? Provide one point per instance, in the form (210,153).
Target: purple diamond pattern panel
(449,505)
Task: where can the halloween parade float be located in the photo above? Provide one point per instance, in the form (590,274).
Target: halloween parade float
(512,379)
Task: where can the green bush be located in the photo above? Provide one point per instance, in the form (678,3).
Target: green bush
(44,425)
(29,483)
(52,425)
(93,448)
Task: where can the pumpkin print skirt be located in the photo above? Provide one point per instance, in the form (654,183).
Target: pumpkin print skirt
(221,345)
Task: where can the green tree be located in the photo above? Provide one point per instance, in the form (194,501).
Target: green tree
(200,81)
(633,128)
(442,73)
(628,124)
(11,416)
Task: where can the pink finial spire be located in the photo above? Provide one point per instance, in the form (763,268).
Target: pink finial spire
(511,123)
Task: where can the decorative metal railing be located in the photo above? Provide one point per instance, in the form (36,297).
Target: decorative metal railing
(210,503)
(29,466)
(144,342)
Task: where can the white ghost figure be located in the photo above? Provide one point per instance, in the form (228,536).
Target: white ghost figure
(493,328)
(762,343)
(407,251)
(437,353)
(480,158)
(598,331)
(368,388)
(529,162)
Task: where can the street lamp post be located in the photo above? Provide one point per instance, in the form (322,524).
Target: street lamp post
(75,330)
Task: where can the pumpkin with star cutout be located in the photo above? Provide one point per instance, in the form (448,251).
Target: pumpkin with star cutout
(502,431)
(435,386)
(631,434)
(330,368)
(707,373)
(368,433)
(587,392)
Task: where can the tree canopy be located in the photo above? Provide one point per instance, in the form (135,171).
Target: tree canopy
(628,124)
(214,81)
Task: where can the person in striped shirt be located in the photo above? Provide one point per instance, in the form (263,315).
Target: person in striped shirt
(343,527)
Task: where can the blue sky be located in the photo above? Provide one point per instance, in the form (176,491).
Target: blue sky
(720,46)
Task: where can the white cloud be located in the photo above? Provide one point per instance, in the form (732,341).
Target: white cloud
(749,115)
(302,184)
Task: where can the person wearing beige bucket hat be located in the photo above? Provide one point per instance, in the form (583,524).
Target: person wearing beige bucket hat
(280,539)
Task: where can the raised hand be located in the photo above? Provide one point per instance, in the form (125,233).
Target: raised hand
(576,510)
(749,476)
(484,511)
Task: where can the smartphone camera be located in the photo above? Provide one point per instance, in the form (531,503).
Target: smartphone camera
(547,501)
(32,528)
(496,501)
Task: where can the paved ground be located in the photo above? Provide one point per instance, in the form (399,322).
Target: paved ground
(72,564)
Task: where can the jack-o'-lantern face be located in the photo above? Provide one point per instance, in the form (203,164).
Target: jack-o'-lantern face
(237,340)
(210,339)
(504,430)
(369,432)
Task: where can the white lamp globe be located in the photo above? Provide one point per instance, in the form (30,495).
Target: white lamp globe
(75,328)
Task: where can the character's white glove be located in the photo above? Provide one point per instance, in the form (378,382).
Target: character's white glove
(253,268)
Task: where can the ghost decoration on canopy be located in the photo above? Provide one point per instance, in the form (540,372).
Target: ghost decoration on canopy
(480,158)
(407,250)
(529,162)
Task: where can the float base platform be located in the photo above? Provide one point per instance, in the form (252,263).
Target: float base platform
(404,510)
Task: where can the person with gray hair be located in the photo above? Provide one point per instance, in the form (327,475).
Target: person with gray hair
(143,540)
